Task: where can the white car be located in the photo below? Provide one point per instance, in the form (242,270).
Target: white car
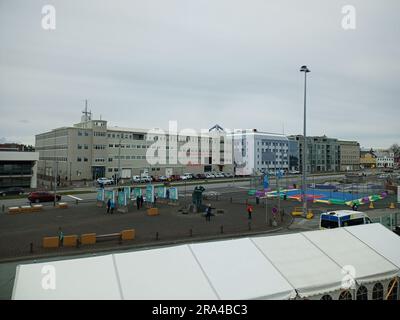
(294,172)
(105,181)
(146,179)
(135,179)
(209,176)
(219,175)
(186,176)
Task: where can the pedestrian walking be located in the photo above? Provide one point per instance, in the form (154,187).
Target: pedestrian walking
(138,202)
(108,205)
(141,201)
(60,236)
(112,206)
(249,210)
(208,213)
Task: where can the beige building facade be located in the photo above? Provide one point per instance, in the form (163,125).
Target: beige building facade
(349,155)
(91,149)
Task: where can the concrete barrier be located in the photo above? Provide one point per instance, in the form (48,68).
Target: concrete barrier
(62,205)
(88,238)
(13,210)
(152,212)
(70,241)
(128,234)
(51,242)
(37,207)
(26,209)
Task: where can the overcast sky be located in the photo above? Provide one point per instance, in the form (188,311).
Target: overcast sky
(202,62)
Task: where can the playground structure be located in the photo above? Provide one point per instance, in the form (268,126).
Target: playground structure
(321,196)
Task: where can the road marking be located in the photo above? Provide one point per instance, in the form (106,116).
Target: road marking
(76,198)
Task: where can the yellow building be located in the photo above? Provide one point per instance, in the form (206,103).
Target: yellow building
(367,159)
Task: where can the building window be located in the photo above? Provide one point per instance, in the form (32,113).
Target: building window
(392,290)
(79,146)
(377,292)
(79,159)
(86,134)
(111,146)
(110,159)
(345,295)
(362,293)
(79,133)
(109,169)
(86,147)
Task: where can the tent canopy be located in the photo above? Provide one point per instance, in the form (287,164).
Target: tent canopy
(269,267)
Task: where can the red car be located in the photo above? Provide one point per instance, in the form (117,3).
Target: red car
(42,196)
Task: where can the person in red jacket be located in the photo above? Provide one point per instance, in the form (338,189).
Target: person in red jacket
(249,210)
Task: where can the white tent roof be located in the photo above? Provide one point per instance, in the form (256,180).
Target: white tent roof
(303,264)
(272,267)
(167,273)
(378,238)
(353,255)
(78,279)
(237,270)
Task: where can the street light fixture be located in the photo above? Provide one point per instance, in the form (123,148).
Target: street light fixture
(304,185)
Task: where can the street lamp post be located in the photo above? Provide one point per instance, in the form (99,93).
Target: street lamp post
(304,185)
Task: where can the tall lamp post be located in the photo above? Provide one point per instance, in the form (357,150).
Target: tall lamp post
(304,185)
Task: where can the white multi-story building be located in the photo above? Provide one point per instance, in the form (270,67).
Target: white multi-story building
(92,149)
(384,159)
(259,152)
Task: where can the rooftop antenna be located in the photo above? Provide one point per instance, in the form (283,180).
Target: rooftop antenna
(86,115)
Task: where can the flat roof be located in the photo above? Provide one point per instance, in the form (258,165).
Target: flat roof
(19,156)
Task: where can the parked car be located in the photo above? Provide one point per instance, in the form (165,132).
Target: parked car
(11,191)
(145,179)
(294,172)
(105,181)
(42,196)
(383,176)
(201,176)
(162,178)
(219,175)
(135,179)
(186,176)
(228,175)
(209,175)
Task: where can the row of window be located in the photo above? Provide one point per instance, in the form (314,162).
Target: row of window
(127,158)
(275,144)
(83,133)
(99,134)
(57,147)
(128,146)
(362,293)
(53,158)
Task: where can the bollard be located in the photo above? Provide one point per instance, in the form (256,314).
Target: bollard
(157,235)
(3,207)
(191,232)
(31,247)
(222,229)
